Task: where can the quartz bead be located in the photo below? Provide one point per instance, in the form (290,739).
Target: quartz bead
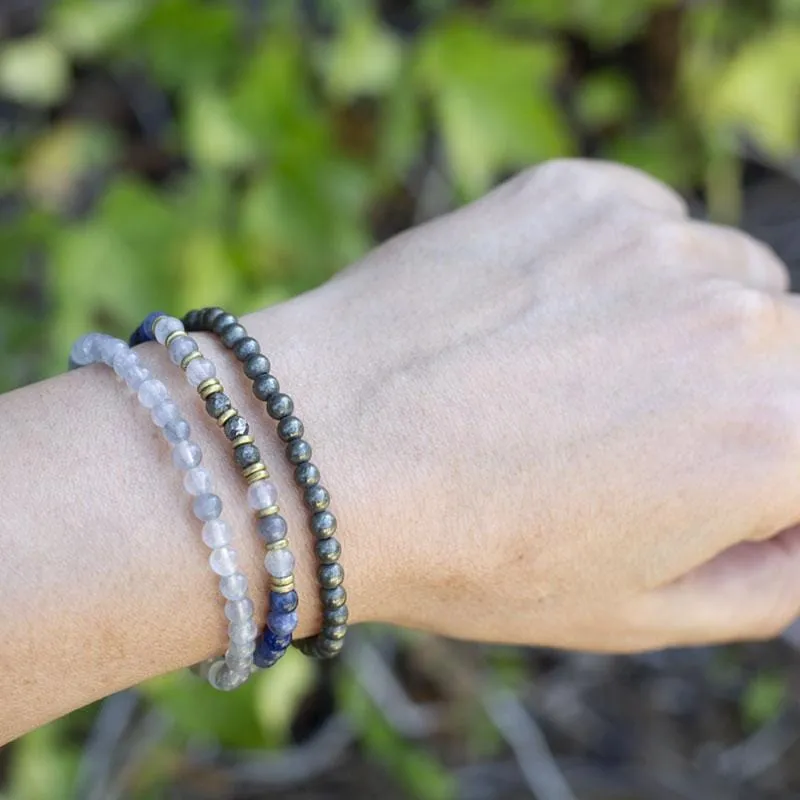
(241,633)
(177,431)
(282,624)
(164,327)
(152,392)
(224,561)
(166,411)
(207,507)
(109,347)
(85,350)
(216,533)
(279,563)
(239,610)
(262,494)
(242,649)
(199,370)
(234,586)
(223,678)
(135,375)
(186,455)
(180,348)
(272,528)
(124,359)
(198,481)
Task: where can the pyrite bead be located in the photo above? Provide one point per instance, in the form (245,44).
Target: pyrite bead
(246,455)
(264,386)
(298,451)
(323,523)
(335,616)
(232,335)
(235,427)
(333,598)
(330,575)
(317,498)
(246,348)
(306,474)
(217,404)
(328,550)
(279,405)
(256,365)
(221,322)
(290,428)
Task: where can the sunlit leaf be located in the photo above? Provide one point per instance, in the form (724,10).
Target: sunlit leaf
(33,70)
(88,28)
(43,766)
(604,98)
(762,699)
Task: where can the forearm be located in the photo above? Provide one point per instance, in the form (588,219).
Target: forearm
(105,579)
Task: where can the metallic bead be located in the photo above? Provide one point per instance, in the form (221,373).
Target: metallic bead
(226,415)
(246,348)
(281,582)
(246,455)
(243,439)
(289,587)
(333,598)
(235,427)
(334,632)
(223,321)
(279,406)
(268,511)
(253,468)
(323,523)
(317,498)
(209,387)
(191,319)
(290,428)
(217,404)
(208,316)
(173,336)
(259,475)
(264,386)
(232,335)
(330,575)
(281,544)
(328,648)
(256,365)
(335,616)
(298,451)
(306,474)
(191,357)
(328,550)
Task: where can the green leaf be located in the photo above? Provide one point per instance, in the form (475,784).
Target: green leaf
(43,765)
(89,28)
(762,699)
(34,71)
(604,98)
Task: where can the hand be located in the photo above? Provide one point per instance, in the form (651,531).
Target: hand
(565,415)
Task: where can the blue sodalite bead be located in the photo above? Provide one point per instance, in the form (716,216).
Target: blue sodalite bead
(270,649)
(272,641)
(282,603)
(282,624)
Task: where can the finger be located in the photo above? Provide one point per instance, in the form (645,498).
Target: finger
(749,591)
(731,253)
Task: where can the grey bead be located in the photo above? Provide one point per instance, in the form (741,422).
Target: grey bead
(207,507)
(223,321)
(236,426)
(330,575)
(334,632)
(290,428)
(328,550)
(323,523)
(328,648)
(217,404)
(232,335)
(246,455)
(298,451)
(191,320)
(264,386)
(272,528)
(317,498)
(279,406)
(335,616)
(306,474)
(208,316)
(257,364)
(333,598)
(246,347)
(176,431)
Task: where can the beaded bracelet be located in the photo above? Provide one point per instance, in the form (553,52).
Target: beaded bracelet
(232,670)
(329,642)
(262,493)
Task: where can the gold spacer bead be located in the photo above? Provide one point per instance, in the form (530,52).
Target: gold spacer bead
(268,511)
(229,414)
(173,336)
(257,467)
(240,440)
(282,581)
(281,544)
(289,587)
(191,357)
(209,387)
(254,477)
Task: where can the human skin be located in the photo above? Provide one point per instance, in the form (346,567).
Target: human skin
(564,415)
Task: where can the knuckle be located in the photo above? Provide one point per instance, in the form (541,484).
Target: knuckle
(558,173)
(745,313)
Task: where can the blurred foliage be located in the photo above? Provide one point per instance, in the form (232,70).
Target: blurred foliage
(165,154)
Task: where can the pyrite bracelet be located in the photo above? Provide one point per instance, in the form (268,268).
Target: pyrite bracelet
(280,407)
(234,669)
(262,494)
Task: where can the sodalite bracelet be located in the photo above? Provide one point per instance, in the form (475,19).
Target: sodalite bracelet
(280,407)
(234,669)
(262,494)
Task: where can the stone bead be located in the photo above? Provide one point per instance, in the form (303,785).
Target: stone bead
(279,563)
(256,365)
(186,455)
(109,347)
(328,648)
(282,624)
(207,507)
(223,678)
(147,325)
(191,319)
(217,404)
(317,498)
(216,534)
(152,392)
(180,348)
(164,327)
(306,474)
(224,561)
(166,411)
(283,602)
(264,386)
(241,649)
(199,370)
(85,350)
(335,616)
(290,428)
(265,658)
(240,610)
(246,455)
(273,641)
(323,523)
(246,348)
(198,481)
(235,427)
(272,528)
(298,451)
(233,586)
(333,598)
(334,632)
(135,376)
(328,550)
(243,632)
(177,431)
(262,494)
(232,335)
(124,359)
(238,661)
(223,321)
(330,575)
(279,405)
